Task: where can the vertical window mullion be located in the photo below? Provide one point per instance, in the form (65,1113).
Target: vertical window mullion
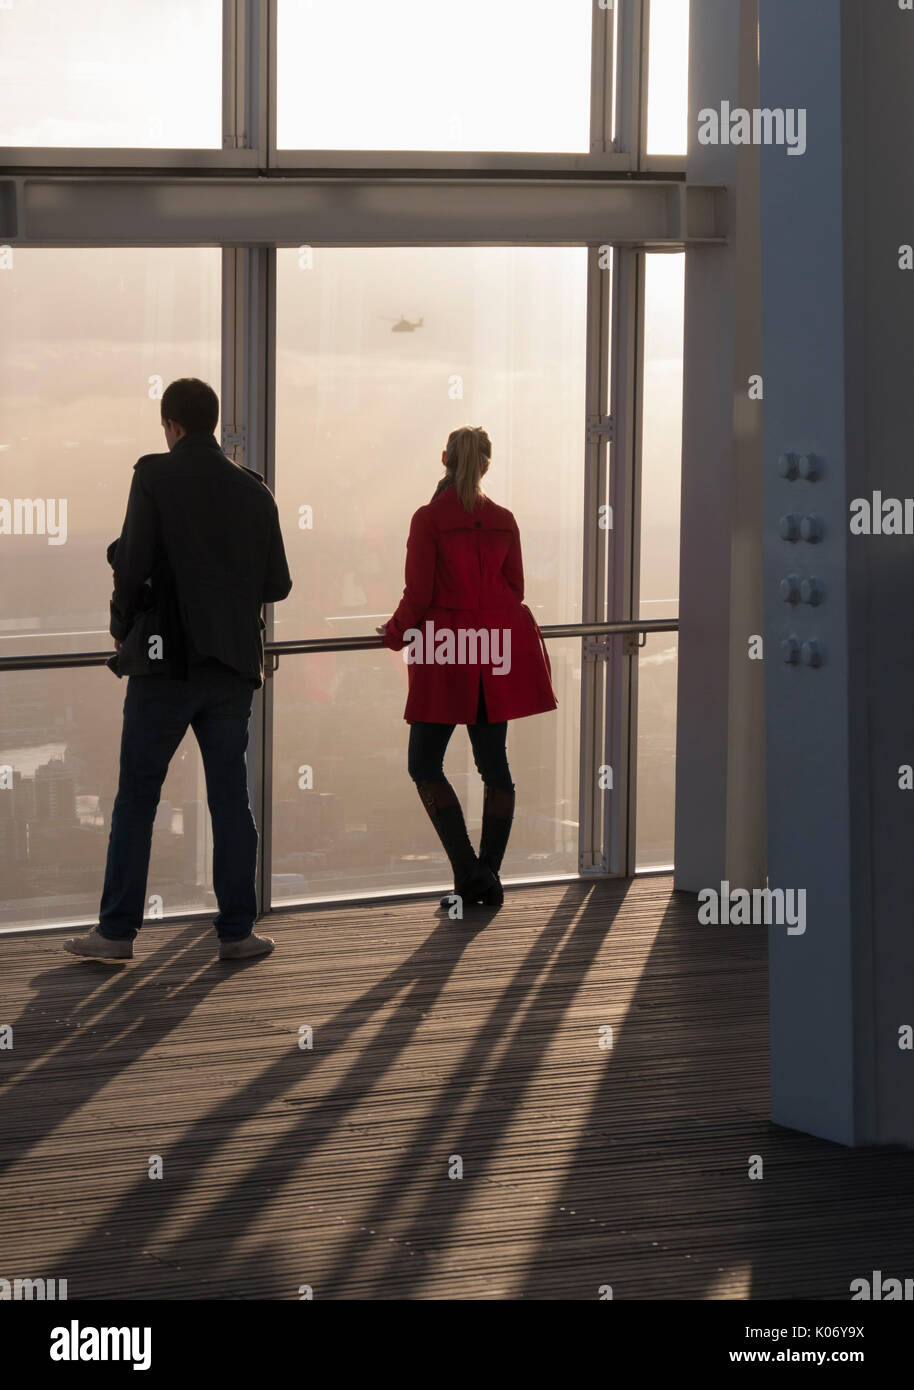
(632,558)
(620,709)
(248,431)
(631,84)
(245,69)
(601,81)
(268,68)
(229,115)
(591,835)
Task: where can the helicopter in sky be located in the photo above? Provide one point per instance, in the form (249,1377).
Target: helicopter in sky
(403,325)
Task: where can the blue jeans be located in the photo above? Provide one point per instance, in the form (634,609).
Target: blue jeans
(158,710)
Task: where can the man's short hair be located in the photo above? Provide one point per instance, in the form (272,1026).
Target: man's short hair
(191,403)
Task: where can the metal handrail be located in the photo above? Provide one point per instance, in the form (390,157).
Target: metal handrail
(312,645)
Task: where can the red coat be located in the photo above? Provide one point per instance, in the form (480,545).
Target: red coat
(464,594)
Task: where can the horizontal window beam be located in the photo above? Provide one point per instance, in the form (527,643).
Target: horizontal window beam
(448,161)
(185,163)
(45,210)
(122,162)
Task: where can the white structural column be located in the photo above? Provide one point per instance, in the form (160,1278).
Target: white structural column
(720,796)
(838,286)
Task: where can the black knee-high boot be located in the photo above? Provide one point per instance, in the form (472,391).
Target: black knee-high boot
(471,879)
(497,819)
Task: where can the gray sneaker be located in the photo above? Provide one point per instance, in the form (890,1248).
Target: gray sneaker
(98,947)
(246,948)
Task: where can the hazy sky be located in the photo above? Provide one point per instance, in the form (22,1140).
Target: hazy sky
(403,74)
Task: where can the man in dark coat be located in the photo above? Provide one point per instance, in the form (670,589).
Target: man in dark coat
(199,554)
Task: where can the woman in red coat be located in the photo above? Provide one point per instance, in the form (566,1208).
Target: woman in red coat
(475,656)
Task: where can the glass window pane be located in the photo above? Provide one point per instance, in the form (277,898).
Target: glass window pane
(380,354)
(112,73)
(59,740)
(668,82)
(661,478)
(360,828)
(90,338)
(410,75)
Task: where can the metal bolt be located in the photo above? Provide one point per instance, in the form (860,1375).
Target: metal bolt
(811,592)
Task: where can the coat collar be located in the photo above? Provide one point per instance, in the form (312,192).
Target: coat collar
(450,515)
(200,438)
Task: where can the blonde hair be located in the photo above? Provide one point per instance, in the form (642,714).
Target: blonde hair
(467,456)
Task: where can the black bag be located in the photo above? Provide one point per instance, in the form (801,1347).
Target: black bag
(155,643)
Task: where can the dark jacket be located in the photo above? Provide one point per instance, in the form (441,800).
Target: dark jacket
(199,554)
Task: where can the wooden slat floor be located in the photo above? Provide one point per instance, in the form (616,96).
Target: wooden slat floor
(329,1167)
